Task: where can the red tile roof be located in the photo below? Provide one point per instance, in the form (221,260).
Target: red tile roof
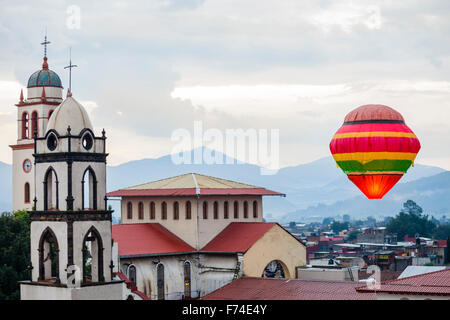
(288,289)
(147,239)
(433,283)
(238,237)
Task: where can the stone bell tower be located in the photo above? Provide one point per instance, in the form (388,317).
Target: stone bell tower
(71,246)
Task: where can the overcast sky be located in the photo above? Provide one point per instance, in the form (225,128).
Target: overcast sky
(147,68)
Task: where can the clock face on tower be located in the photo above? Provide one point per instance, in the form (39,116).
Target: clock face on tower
(27,165)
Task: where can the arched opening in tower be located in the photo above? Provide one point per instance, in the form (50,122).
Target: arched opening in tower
(93,257)
(50,190)
(48,257)
(89,190)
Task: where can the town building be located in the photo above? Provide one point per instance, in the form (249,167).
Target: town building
(184,237)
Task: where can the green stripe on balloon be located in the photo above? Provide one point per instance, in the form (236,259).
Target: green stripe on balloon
(375,165)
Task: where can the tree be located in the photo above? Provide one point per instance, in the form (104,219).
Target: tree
(352,235)
(327,221)
(410,221)
(442,232)
(14,253)
(337,226)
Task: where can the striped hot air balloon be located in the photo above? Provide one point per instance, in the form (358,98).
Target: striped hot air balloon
(374,147)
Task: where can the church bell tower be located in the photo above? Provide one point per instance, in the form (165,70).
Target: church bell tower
(71,245)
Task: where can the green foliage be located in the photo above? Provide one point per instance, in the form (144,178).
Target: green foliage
(410,221)
(14,253)
(352,235)
(442,232)
(337,226)
(327,221)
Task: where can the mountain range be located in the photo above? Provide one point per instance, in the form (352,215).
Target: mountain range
(313,190)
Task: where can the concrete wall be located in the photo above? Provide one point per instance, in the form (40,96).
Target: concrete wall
(20,177)
(324,274)
(111,291)
(197,231)
(276,244)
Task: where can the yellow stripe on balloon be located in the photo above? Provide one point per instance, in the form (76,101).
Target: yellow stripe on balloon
(374,134)
(364,157)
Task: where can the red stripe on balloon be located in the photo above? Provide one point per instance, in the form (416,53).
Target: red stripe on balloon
(374,127)
(375,144)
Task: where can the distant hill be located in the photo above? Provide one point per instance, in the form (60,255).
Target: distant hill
(306,185)
(431,193)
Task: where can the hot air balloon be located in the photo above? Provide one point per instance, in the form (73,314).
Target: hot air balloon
(374,147)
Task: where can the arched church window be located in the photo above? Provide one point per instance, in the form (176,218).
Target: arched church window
(25,125)
(163,210)
(205,210)
(176,210)
(245,209)
(129,210)
(132,276)
(160,281)
(188,210)
(141,211)
(225,210)
(51,193)
(34,124)
(236,210)
(48,256)
(187,279)
(27,193)
(152,210)
(92,256)
(89,190)
(216,210)
(255,209)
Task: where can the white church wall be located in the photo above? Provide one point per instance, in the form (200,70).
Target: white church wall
(51,93)
(20,177)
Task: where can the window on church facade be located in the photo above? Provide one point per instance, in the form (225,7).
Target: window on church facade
(132,274)
(176,210)
(34,123)
(216,210)
(255,209)
(164,211)
(188,210)
(51,194)
(141,211)
(25,125)
(152,210)
(27,193)
(160,281)
(92,257)
(187,279)
(50,113)
(129,210)
(245,209)
(236,210)
(205,210)
(225,210)
(89,190)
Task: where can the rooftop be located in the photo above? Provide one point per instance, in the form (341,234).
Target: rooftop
(146,239)
(192,184)
(288,289)
(433,283)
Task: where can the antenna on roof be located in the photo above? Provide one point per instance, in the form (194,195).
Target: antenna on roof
(70,66)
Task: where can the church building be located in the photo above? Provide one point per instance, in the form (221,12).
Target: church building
(186,236)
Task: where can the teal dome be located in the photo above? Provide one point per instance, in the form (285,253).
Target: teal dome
(44,78)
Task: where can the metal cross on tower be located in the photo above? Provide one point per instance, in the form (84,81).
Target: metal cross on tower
(45,43)
(70,66)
